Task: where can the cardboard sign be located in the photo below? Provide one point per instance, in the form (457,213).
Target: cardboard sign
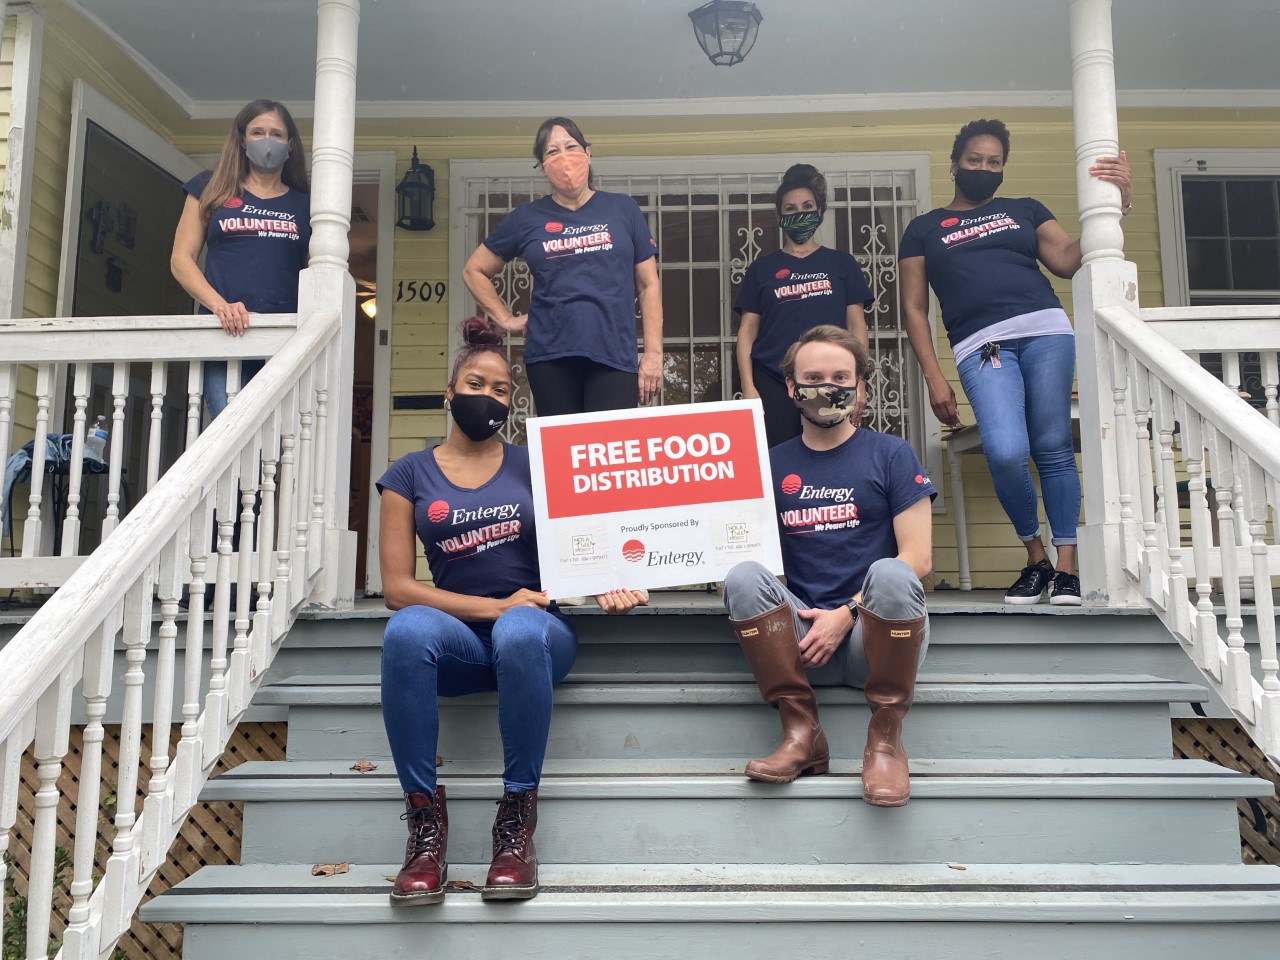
(655,497)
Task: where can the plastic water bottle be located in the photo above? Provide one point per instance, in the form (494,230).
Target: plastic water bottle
(95,444)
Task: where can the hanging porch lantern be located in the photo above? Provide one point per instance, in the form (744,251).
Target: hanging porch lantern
(415,196)
(726,30)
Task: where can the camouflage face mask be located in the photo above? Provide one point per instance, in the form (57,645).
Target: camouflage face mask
(824,404)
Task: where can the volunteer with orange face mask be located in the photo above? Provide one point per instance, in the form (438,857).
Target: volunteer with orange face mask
(592,258)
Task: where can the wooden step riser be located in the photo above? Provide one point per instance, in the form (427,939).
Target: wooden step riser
(606,731)
(783,830)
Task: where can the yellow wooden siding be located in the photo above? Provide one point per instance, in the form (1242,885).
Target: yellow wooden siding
(1041,164)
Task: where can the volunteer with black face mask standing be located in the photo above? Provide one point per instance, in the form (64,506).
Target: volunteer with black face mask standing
(483,624)
(787,292)
(253,212)
(1013,343)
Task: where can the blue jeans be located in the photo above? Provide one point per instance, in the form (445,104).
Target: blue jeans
(426,653)
(215,382)
(890,590)
(1023,409)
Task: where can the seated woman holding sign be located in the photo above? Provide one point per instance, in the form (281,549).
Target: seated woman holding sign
(484,625)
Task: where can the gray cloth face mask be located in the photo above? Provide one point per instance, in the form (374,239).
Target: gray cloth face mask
(267,154)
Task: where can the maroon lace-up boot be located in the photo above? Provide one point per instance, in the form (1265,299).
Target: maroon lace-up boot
(422,878)
(513,875)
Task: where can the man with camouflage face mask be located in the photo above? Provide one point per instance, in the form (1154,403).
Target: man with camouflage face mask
(856,528)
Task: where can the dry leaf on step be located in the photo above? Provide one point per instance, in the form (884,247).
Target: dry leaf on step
(364,766)
(460,885)
(953,866)
(329,869)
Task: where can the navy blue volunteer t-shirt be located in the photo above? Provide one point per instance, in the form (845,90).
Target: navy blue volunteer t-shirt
(836,510)
(255,248)
(793,294)
(583,264)
(983,264)
(480,541)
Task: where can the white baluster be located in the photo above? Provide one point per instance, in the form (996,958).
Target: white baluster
(119,393)
(1126,461)
(281,603)
(1176,580)
(53,727)
(81,938)
(1206,626)
(190,754)
(217,704)
(195,398)
(31,529)
(71,525)
(8,383)
(158,807)
(1270,360)
(123,877)
(11,751)
(233,379)
(1238,679)
(241,669)
(1146,478)
(263,636)
(159,382)
(305,472)
(324,448)
(1254,482)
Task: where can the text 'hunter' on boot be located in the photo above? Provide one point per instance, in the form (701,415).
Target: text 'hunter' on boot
(513,875)
(893,655)
(773,650)
(422,878)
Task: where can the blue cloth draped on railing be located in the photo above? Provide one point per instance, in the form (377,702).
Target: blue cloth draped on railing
(57,459)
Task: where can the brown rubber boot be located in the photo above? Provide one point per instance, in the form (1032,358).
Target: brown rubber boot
(513,875)
(422,878)
(893,654)
(773,651)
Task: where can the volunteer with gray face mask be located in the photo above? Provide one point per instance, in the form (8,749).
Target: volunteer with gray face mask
(253,211)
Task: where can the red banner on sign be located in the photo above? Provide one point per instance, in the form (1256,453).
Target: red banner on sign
(665,460)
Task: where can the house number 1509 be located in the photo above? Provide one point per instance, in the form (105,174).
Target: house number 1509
(420,291)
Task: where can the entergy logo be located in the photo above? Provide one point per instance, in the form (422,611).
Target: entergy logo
(233,203)
(553,227)
(782,274)
(437,511)
(950,221)
(791,483)
(633,551)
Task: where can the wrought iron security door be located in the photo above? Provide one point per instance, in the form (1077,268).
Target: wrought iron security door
(709,228)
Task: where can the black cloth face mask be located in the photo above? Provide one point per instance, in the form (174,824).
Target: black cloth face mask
(800,226)
(478,415)
(978,185)
(824,404)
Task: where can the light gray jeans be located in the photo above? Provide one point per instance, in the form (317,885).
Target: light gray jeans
(891,590)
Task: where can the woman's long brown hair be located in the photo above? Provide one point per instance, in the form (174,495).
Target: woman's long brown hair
(232,167)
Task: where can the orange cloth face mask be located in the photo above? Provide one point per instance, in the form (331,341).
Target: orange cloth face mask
(568,171)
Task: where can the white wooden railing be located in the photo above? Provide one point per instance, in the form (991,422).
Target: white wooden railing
(1173,419)
(262,465)
(120,368)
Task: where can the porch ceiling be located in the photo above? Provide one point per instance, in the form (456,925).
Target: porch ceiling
(523,57)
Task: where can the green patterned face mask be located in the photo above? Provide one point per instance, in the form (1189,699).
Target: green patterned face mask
(801,226)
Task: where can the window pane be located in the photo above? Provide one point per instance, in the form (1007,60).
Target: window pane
(707,380)
(1251,208)
(706,303)
(706,236)
(1207,264)
(675,374)
(1255,264)
(1202,211)
(675,302)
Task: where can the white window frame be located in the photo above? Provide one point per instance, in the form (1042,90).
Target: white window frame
(462,171)
(1170,167)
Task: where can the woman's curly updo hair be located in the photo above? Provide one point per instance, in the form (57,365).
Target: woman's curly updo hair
(980,128)
(802,176)
(479,335)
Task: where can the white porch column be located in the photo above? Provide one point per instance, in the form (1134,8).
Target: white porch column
(326,284)
(1105,280)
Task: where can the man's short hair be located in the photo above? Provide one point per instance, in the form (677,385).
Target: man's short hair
(829,333)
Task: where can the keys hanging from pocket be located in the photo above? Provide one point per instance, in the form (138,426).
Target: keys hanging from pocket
(990,352)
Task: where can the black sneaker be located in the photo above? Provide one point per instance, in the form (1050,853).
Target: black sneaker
(1030,585)
(1065,590)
